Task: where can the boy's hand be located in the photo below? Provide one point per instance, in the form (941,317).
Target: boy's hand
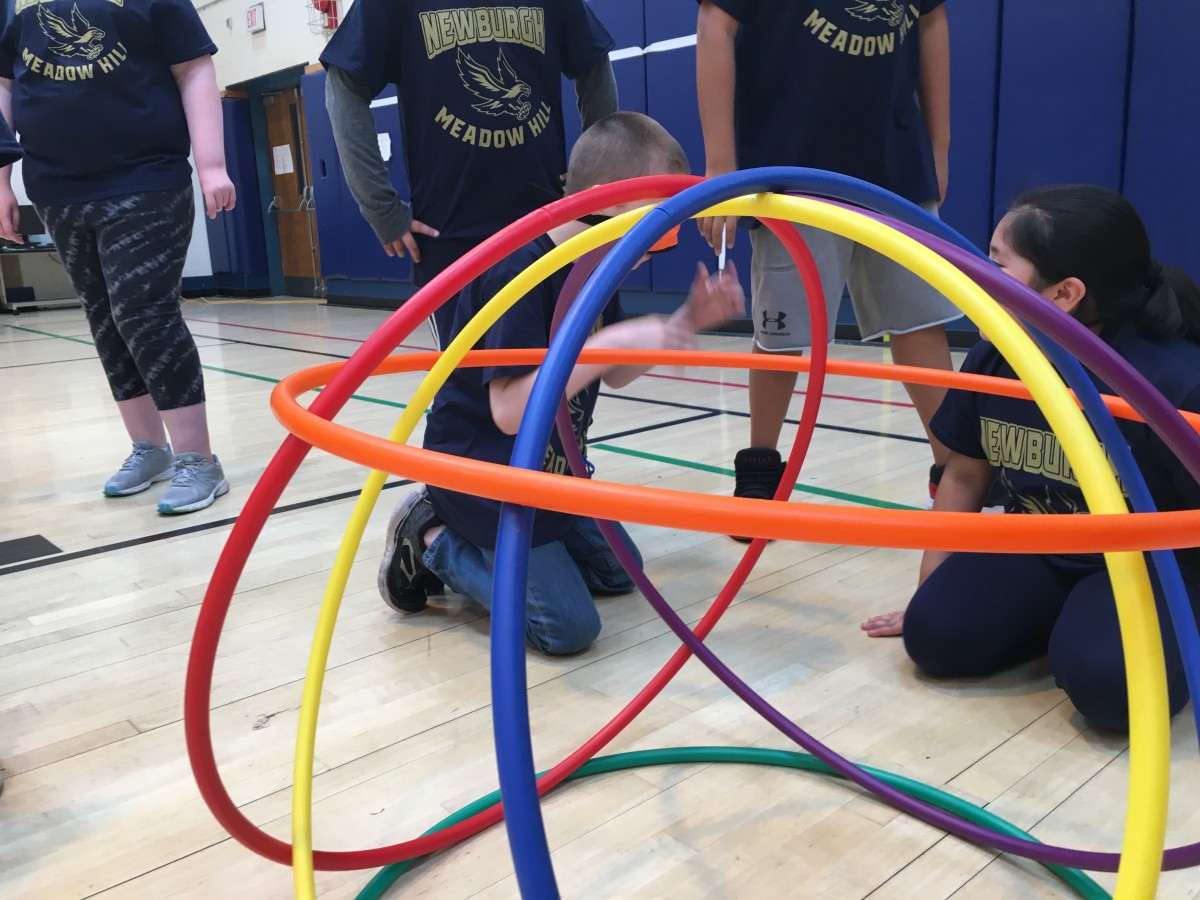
(406,243)
(715,299)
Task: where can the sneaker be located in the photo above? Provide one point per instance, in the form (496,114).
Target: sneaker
(757,472)
(996,500)
(144,466)
(404,581)
(197,482)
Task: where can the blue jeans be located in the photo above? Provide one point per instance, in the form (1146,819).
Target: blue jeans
(560,616)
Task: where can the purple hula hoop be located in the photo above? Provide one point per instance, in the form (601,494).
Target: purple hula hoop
(1142,397)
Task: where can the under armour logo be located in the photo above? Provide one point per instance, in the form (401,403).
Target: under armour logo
(768,319)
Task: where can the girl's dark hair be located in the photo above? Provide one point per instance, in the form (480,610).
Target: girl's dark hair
(1094,234)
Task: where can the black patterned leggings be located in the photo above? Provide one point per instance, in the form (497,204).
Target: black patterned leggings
(125,257)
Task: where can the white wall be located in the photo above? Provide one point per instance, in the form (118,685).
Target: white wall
(287,40)
(199,263)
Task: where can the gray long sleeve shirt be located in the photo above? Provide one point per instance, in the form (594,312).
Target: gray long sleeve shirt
(354,132)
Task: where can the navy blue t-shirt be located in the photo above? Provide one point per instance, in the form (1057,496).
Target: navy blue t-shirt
(461,423)
(832,85)
(1013,435)
(480,89)
(94,100)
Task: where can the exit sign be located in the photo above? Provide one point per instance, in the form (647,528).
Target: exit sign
(256,19)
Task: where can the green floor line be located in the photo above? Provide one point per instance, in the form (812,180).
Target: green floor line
(717,470)
(640,454)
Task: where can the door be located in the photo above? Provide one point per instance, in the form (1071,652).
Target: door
(293,209)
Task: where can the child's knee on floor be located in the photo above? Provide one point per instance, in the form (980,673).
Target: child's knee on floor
(559,641)
(1095,686)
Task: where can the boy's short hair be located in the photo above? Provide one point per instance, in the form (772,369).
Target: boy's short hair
(623,145)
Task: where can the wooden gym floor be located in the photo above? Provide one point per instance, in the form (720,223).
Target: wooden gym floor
(95,629)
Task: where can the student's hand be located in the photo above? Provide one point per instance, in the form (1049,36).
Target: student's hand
(710,228)
(715,299)
(219,193)
(407,244)
(10,216)
(887,625)
(941,165)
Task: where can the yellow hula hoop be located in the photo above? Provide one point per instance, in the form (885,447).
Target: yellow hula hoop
(1149,720)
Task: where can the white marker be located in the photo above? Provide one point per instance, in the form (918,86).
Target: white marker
(721,253)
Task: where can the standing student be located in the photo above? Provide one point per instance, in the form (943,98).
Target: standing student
(857,88)
(107,98)
(480,96)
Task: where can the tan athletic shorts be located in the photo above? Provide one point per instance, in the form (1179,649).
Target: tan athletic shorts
(887,298)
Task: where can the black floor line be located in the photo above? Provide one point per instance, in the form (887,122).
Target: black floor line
(178,532)
(228,340)
(25,340)
(708,409)
(703,412)
(645,428)
(745,415)
(51,362)
(691,406)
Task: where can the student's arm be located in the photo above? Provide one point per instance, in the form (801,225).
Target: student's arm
(10,211)
(963,488)
(715,79)
(197,83)
(349,106)
(713,299)
(933,90)
(596,93)
(509,396)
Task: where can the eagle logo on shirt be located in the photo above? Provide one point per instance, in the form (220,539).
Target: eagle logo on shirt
(77,37)
(890,11)
(501,92)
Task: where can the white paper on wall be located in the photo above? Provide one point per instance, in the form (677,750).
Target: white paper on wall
(283,159)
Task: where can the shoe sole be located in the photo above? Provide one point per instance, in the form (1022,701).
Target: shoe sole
(164,475)
(220,490)
(749,540)
(403,508)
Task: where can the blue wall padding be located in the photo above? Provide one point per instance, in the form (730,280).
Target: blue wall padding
(349,248)
(1063,73)
(624,22)
(235,239)
(974,54)
(666,19)
(1162,157)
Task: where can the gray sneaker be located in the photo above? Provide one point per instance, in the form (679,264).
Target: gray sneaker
(197,483)
(144,466)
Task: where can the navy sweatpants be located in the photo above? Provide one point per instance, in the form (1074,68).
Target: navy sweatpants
(125,258)
(980,613)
